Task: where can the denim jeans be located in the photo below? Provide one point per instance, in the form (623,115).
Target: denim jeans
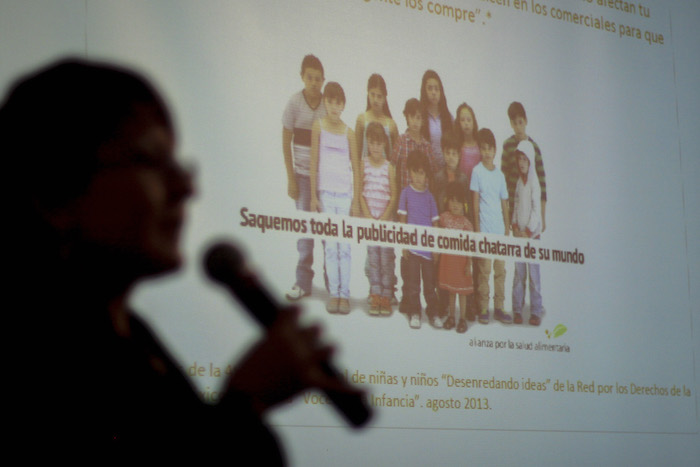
(337,254)
(522,270)
(305,246)
(380,270)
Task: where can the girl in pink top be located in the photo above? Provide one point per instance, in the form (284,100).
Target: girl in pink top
(466,128)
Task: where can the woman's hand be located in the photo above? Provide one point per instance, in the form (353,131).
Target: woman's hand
(286,361)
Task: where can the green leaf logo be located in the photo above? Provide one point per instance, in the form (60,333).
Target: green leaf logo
(559,329)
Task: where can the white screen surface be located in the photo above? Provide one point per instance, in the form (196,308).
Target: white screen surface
(603,109)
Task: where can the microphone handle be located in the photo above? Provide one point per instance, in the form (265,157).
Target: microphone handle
(265,309)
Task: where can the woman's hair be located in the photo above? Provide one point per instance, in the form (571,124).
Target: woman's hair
(376,81)
(460,133)
(375,132)
(445,116)
(52,125)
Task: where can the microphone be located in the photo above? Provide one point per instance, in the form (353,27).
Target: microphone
(225,264)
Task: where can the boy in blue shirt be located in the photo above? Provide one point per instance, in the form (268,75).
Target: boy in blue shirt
(491,215)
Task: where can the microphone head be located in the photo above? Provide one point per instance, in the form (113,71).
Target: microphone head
(223,262)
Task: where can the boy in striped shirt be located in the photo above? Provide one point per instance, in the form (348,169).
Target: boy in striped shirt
(302,110)
(509,159)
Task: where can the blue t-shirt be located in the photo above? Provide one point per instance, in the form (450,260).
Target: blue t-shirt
(491,186)
(420,209)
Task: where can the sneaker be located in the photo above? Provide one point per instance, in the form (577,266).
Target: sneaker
(343,306)
(296,293)
(374,305)
(462,326)
(385,307)
(332,305)
(436,321)
(517,318)
(535,320)
(484,317)
(415,322)
(502,316)
(449,323)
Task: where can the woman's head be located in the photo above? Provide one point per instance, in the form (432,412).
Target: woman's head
(91,150)
(377,94)
(432,95)
(465,121)
(431,90)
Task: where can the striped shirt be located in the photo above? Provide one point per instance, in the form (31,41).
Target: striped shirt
(509,167)
(400,152)
(376,188)
(299,117)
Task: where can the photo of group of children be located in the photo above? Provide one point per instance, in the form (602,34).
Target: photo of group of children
(441,172)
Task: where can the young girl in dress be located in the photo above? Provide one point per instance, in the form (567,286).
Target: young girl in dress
(455,274)
(378,201)
(466,129)
(377,111)
(436,116)
(335,177)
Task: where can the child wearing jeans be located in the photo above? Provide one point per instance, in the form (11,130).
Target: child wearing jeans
(509,163)
(417,206)
(334,182)
(490,196)
(527,223)
(378,202)
(302,110)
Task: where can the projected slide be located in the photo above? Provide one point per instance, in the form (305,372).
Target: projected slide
(484,209)
(556,319)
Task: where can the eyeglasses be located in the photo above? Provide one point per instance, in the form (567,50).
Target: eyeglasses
(167,167)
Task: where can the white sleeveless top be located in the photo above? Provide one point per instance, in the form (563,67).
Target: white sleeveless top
(334,166)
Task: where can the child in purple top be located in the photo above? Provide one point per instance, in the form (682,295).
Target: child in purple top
(417,206)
